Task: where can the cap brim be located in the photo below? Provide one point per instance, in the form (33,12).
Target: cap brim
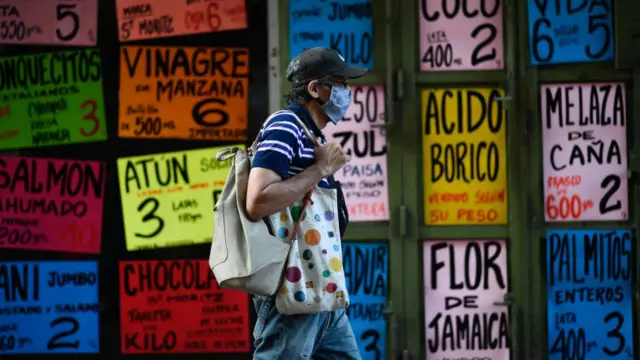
(352,72)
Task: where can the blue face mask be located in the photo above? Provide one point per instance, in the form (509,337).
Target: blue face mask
(338,103)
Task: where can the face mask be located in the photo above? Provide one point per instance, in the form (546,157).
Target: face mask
(338,103)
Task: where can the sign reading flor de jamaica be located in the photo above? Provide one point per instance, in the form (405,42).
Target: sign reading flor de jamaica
(463,281)
(168,198)
(176,306)
(364,178)
(346,27)
(138,20)
(589,295)
(53,205)
(51,99)
(49,307)
(184,93)
(585,151)
(57,22)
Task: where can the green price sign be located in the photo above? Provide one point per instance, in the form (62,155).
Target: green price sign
(51,99)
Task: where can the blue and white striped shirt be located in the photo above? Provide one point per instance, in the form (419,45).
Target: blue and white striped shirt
(283,146)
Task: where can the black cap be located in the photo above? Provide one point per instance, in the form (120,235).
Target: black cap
(319,62)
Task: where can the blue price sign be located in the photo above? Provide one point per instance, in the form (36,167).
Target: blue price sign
(366,268)
(343,26)
(570,31)
(589,304)
(49,307)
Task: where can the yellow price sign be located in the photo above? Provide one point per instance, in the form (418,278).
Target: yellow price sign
(167,199)
(464,156)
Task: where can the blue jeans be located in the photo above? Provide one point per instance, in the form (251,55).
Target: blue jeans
(325,335)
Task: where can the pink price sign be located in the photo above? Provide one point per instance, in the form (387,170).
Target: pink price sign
(464,279)
(57,22)
(166,18)
(584,144)
(51,205)
(364,179)
(461,35)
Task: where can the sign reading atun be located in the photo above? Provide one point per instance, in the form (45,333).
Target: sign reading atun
(51,99)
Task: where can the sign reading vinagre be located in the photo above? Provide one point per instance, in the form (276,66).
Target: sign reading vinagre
(56,22)
(138,20)
(176,306)
(366,269)
(49,307)
(364,178)
(185,93)
(346,27)
(168,199)
(584,145)
(464,156)
(589,295)
(463,281)
(570,31)
(461,35)
(53,205)
(51,99)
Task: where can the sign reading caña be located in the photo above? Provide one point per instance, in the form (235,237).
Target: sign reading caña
(463,280)
(461,35)
(159,19)
(589,295)
(364,179)
(59,22)
(176,306)
(51,204)
(366,268)
(187,93)
(49,307)
(168,199)
(346,27)
(51,99)
(585,151)
(464,156)
(564,31)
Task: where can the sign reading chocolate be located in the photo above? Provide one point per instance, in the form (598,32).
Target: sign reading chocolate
(364,178)
(49,307)
(57,22)
(53,205)
(584,142)
(464,146)
(176,306)
(168,199)
(184,93)
(51,99)
(138,20)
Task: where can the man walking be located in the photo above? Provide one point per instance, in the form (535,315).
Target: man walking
(285,166)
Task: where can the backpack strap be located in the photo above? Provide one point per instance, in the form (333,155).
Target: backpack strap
(254,146)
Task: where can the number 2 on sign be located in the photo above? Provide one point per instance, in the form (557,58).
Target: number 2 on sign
(90,117)
(151,215)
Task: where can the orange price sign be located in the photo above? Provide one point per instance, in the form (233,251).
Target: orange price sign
(184,93)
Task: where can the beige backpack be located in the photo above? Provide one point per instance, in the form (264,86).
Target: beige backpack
(245,255)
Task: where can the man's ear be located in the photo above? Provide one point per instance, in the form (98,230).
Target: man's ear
(312,88)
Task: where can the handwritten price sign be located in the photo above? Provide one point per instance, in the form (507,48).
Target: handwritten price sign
(160,19)
(57,102)
(585,151)
(57,22)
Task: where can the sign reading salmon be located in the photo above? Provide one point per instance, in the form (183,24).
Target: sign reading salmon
(184,93)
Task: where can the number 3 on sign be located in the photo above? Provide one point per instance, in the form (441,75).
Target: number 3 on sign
(90,117)
(149,207)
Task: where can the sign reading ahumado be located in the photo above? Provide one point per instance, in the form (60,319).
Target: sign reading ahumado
(344,27)
(49,307)
(51,99)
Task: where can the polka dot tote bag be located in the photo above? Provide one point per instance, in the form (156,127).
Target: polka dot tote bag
(313,279)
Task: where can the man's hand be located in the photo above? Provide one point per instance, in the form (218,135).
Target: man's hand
(330,158)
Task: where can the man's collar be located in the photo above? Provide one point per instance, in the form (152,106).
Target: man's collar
(306,117)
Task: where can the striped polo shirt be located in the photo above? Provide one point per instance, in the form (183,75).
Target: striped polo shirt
(283,146)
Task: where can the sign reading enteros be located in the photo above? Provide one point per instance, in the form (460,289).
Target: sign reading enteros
(464,157)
